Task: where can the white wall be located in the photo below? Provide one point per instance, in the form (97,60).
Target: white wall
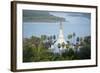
(5,37)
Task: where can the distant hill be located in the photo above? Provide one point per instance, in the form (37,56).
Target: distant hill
(40,16)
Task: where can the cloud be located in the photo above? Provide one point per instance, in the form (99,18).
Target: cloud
(40,16)
(77,14)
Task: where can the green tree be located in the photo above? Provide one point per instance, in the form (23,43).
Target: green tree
(43,37)
(54,37)
(70,37)
(85,50)
(74,36)
(28,54)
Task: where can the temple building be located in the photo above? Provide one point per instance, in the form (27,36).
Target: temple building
(60,45)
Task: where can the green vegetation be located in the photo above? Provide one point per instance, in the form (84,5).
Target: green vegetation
(35,49)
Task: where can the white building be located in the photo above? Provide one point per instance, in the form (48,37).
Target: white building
(59,45)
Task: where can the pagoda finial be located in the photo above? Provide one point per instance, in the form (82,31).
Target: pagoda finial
(61,25)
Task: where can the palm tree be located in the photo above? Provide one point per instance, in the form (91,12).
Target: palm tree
(74,37)
(51,39)
(74,34)
(69,37)
(81,40)
(54,39)
(43,37)
(68,44)
(78,39)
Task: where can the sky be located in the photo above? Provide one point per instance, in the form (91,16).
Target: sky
(80,23)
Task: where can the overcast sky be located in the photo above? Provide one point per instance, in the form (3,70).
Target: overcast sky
(75,22)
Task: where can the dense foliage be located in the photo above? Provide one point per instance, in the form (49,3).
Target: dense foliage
(35,49)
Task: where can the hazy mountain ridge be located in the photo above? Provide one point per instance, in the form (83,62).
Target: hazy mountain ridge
(40,16)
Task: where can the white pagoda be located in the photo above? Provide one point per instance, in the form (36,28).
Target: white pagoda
(59,45)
